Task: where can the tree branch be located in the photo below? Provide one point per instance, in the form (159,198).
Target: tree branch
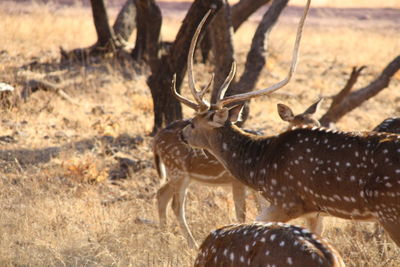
(242,10)
(222,44)
(355,73)
(356,98)
(125,22)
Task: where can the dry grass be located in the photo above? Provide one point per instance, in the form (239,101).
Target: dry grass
(63,211)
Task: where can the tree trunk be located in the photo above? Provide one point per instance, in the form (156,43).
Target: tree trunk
(166,107)
(105,34)
(242,10)
(149,22)
(356,98)
(222,44)
(125,22)
(106,38)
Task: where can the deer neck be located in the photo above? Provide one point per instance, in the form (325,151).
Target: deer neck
(240,152)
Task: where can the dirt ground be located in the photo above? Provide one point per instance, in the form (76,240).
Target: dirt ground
(77,181)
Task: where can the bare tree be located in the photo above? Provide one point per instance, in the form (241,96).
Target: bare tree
(146,16)
(346,101)
(107,40)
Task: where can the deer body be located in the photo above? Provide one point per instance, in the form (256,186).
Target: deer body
(309,169)
(261,244)
(303,170)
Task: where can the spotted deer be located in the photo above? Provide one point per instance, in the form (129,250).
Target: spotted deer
(389,125)
(304,170)
(186,165)
(266,244)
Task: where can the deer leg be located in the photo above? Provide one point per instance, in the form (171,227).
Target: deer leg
(273,214)
(239,198)
(315,224)
(164,195)
(178,206)
(393,229)
(261,201)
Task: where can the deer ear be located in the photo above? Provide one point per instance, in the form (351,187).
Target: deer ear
(235,113)
(285,112)
(314,107)
(220,117)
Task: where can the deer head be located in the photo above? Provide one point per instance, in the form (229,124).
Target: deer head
(305,118)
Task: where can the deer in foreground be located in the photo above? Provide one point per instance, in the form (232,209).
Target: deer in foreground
(266,244)
(185,165)
(305,170)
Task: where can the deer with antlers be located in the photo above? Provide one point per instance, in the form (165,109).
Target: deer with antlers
(305,170)
(185,165)
(266,244)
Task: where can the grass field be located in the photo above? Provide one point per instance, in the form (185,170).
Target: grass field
(58,205)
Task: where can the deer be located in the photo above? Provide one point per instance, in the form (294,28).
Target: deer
(186,165)
(389,125)
(302,171)
(266,244)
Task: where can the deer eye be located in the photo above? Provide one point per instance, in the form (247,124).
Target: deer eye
(192,125)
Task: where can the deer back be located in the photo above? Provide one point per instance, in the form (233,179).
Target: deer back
(266,244)
(389,125)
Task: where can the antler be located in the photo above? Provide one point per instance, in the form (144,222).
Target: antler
(227,82)
(198,95)
(249,95)
(180,98)
(221,101)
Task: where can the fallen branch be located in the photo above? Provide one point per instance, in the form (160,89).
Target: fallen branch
(355,73)
(34,85)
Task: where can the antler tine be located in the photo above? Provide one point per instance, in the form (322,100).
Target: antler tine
(227,82)
(192,83)
(207,88)
(180,98)
(249,95)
